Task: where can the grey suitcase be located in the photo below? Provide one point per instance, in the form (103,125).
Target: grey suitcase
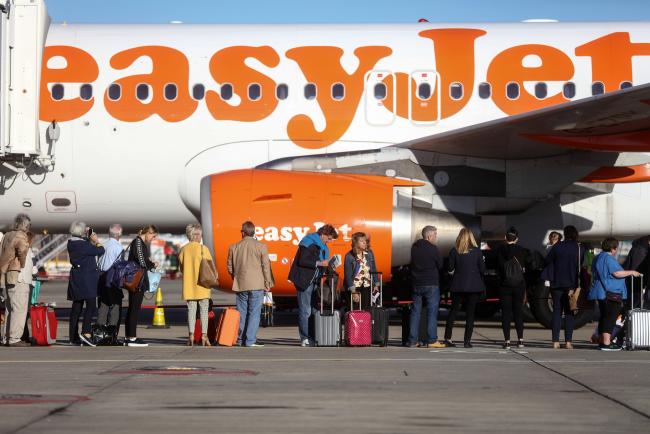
(637,323)
(327,322)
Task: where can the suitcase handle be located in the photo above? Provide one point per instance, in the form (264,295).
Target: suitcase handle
(352,300)
(381,288)
(632,291)
(321,293)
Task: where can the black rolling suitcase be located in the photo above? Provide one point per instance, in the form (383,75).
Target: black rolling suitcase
(406,325)
(380,316)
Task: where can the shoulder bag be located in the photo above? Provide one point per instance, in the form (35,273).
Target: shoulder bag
(208,277)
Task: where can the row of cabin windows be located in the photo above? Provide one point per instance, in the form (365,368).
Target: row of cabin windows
(424,91)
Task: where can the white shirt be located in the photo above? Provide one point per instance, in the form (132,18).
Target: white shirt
(112,249)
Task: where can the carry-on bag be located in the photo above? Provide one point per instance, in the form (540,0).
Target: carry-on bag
(637,323)
(212,329)
(228,327)
(44,325)
(358,326)
(423,337)
(327,322)
(380,316)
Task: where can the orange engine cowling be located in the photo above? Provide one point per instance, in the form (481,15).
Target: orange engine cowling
(286,206)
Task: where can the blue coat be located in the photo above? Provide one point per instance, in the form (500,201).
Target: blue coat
(468,269)
(84,273)
(563,260)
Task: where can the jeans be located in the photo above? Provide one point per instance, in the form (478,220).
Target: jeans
(561,304)
(249,305)
(512,303)
(431,296)
(75,313)
(305,310)
(471,298)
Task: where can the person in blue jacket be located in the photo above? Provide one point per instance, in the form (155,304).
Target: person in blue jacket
(83,249)
(307,267)
(608,288)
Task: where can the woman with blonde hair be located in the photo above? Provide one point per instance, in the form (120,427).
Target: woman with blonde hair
(467,264)
(194,294)
(358,264)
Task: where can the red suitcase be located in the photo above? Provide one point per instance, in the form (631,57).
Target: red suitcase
(44,325)
(212,329)
(358,327)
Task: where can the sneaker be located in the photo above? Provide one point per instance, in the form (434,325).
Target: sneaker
(20,344)
(449,344)
(255,345)
(135,342)
(610,347)
(86,341)
(305,343)
(74,343)
(412,344)
(520,344)
(506,345)
(468,345)
(436,344)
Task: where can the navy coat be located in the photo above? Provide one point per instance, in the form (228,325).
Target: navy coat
(84,273)
(468,269)
(563,260)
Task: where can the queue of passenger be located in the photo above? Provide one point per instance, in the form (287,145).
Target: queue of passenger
(249,267)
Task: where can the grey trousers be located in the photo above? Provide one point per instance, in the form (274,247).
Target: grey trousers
(204,306)
(109,314)
(16,305)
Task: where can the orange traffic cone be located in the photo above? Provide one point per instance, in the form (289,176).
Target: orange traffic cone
(159,313)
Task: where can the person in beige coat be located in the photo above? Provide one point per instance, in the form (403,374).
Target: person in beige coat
(250,268)
(13,256)
(189,259)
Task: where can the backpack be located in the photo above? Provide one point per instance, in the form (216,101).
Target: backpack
(513,273)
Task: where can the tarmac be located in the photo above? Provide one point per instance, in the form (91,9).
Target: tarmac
(171,388)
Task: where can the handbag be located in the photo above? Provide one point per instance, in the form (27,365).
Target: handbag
(613,296)
(132,281)
(208,277)
(154,280)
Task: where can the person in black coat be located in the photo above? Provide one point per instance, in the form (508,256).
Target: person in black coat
(139,253)
(83,249)
(512,261)
(467,264)
(565,258)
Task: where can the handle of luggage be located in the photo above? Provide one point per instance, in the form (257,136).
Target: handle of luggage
(632,292)
(352,300)
(322,281)
(380,279)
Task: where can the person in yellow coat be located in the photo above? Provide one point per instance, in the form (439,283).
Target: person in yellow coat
(189,259)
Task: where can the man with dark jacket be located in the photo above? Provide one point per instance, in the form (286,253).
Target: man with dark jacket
(425,266)
(305,272)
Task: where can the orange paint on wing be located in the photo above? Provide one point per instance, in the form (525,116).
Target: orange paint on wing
(80,68)
(322,66)
(611,58)
(227,66)
(508,67)
(619,175)
(169,66)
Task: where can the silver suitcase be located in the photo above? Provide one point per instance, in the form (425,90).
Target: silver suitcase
(327,324)
(637,323)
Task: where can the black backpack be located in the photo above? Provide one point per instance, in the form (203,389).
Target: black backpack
(513,273)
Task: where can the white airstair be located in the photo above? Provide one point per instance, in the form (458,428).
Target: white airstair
(48,247)
(23,30)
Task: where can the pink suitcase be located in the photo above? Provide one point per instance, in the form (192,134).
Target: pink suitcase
(358,328)
(44,325)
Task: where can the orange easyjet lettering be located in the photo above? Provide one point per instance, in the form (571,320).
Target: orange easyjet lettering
(338,113)
(227,66)
(170,67)
(80,67)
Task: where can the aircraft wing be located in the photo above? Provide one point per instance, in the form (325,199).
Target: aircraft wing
(616,122)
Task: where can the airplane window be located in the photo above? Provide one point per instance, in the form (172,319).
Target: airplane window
(569,90)
(142,91)
(310,91)
(57,92)
(456,90)
(484,90)
(226,92)
(597,88)
(626,84)
(512,90)
(171,92)
(282,91)
(338,91)
(254,92)
(198,91)
(541,90)
(380,91)
(114,92)
(424,91)
(86,92)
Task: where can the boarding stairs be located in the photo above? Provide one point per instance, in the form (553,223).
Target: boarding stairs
(49,247)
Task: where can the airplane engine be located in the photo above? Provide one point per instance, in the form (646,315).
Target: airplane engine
(285,206)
